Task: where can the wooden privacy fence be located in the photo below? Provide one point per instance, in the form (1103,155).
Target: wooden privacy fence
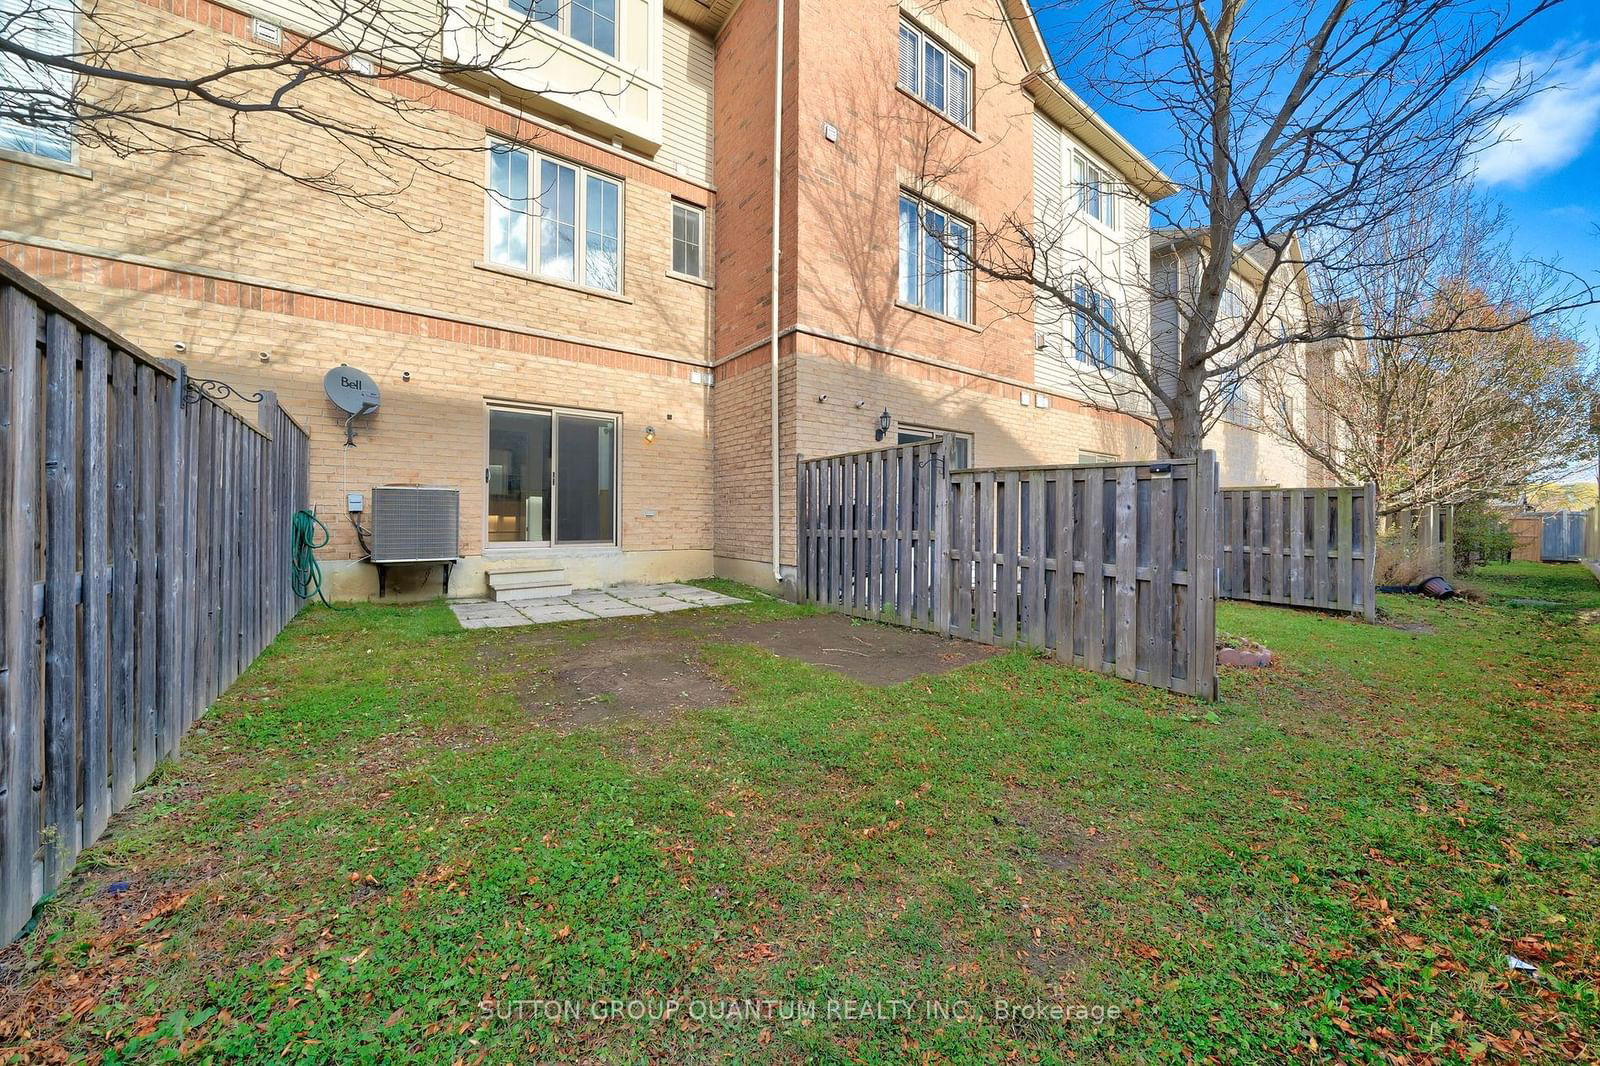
(1108,566)
(869,532)
(146,563)
(1300,547)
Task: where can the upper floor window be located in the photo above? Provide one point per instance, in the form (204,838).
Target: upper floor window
(688,240)
(554,219)
(933,75)
(38,121)
(1093,340)
(1238,405)
(1096,196)
(935,259)
(590,22)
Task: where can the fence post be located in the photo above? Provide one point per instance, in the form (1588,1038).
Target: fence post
(802,531)
(172,577)
(940,535)
(19,442)
(1204,673)
(267,419)
(1369,562)
(1447,541)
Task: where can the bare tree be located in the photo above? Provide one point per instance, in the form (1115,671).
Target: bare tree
(1456,393)
(347,103)
(1296,129)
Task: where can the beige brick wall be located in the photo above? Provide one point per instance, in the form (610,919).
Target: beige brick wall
(1248,456)
(215,212)
(742,435)
(859,384)
(1004,431)
(231,261)
(430,429)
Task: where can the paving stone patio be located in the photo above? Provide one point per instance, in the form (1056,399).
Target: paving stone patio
(618,601)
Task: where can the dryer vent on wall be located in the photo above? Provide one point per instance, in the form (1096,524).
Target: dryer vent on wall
(415,523)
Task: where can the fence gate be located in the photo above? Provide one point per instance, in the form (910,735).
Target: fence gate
(1108,566)
(1300,547)
(870,527)
(145,564)
(1563,539)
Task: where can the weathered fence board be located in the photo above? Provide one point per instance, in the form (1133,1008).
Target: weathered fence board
(1097,564)
(1300,547)
(120,543)
(868,522)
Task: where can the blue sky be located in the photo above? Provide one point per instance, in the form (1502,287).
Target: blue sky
(1547,174)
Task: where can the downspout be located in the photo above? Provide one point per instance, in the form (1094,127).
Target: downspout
(777,253)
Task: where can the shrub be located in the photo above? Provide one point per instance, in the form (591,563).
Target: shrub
(1482,536)
(1401,561)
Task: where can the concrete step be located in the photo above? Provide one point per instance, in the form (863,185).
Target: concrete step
(532,594)
(533,577)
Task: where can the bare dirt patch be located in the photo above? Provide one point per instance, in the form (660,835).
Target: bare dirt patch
(606,680)
(652,667)
(868,652)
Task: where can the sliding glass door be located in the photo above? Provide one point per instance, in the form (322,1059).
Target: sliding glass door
(585,493)
(551,477)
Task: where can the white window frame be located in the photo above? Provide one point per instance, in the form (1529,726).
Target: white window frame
(556,412)
(1099,347)
(1096,191)
(562,25)
(1238,400)
(930,433)
(916,83)
(21,137)
(532,214)
(697,213)
(963,277)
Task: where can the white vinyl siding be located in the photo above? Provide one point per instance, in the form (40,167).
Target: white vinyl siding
(1077,249)
(687,119)
(37,119)
(934,75)
(554,219)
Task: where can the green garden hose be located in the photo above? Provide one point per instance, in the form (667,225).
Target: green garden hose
(307,534)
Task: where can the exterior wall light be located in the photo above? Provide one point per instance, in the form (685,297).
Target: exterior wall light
(649,434)
(884,422)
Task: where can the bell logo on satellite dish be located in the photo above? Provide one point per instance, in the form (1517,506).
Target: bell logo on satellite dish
(352,392)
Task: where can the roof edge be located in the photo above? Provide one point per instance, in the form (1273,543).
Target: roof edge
(1073,113)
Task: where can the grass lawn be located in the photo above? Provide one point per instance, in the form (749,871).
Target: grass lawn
(375,849)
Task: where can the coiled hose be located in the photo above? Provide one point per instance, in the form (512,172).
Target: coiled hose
(306,535)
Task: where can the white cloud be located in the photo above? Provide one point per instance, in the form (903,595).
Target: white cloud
(1552,128)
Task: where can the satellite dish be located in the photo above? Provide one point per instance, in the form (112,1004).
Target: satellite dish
(350,390)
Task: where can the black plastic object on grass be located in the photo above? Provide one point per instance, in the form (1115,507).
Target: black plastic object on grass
(1437,587)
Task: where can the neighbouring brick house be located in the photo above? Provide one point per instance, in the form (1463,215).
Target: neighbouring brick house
(586,351)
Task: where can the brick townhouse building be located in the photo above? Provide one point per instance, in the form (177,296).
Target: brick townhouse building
(582,341)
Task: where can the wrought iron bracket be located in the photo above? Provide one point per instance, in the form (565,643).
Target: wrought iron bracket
(196,389)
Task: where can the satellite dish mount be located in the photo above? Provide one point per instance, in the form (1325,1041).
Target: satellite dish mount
(352,392)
